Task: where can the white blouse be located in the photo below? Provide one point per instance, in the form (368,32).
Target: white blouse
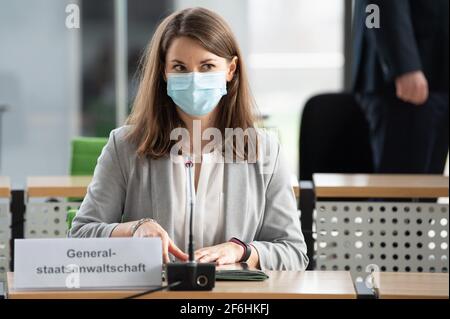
(208,221)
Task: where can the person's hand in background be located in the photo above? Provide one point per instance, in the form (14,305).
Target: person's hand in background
(412,87)
(153,229)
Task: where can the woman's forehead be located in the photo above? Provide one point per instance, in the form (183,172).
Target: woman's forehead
(184,49)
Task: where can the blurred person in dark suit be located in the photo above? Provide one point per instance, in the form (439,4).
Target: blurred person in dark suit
(400,77)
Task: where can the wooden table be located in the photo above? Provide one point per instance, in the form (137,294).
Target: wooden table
(391,285)
(55,195)
(57,186)
(5,187)
(381,186)
(280,285)
(347,217)
(75,186)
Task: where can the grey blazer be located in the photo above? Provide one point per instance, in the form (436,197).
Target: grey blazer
(260,205)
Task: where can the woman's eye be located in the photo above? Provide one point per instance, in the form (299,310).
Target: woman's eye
(179,68)
(207,67)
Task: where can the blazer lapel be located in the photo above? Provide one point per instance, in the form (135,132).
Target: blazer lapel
(236,199)
(161,180)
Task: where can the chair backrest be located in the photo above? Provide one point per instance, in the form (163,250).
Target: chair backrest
(334,136)
(85,152)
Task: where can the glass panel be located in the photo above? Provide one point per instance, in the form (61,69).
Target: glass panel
(99,116)
(39,83)
(296,51)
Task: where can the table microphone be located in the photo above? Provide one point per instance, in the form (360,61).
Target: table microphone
(191,275)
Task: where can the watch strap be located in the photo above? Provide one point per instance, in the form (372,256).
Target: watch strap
(247,248)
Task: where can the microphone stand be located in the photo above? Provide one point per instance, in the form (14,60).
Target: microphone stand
(191,275)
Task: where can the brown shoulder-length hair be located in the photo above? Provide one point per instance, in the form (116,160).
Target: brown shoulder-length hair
(154,114)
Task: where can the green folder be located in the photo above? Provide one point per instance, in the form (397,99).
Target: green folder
(240,272)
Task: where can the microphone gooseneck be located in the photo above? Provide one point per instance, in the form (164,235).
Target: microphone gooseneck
(189,164)
(191,275)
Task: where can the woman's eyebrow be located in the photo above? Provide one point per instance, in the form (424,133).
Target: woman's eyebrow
(177,61)
(207,60)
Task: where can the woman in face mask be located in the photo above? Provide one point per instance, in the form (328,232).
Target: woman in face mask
(193,79)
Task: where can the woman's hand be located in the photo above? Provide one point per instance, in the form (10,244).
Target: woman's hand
(153,229)
(226,253)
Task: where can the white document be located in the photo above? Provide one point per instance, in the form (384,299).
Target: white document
(87,263)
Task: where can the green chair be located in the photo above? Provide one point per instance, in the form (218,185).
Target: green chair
(69,217)
(85,152)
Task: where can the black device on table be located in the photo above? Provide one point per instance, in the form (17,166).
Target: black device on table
(190,275)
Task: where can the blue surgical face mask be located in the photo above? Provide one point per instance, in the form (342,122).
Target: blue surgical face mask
(197,93)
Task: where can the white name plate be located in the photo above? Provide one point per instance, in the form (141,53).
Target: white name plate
(87,263)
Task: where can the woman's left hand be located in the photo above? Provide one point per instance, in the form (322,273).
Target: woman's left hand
(226,253)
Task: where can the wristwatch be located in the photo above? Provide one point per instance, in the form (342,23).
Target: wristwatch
(247,248)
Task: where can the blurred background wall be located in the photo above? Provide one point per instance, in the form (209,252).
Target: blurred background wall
(59,83)
(39,82)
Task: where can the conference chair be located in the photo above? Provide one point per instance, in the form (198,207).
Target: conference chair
(334,138)
(85,152)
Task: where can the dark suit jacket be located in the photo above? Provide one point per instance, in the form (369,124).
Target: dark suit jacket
(413,35)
